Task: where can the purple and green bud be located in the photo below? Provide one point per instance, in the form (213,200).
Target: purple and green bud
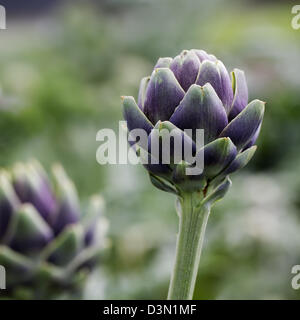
(195,91)
(45,240)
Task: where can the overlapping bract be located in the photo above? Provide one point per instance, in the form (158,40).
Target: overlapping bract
(45,242)
(195,91)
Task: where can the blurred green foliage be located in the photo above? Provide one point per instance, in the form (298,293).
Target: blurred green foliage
(62,77)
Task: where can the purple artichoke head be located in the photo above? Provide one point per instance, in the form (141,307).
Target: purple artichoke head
(195,91)
(45,240)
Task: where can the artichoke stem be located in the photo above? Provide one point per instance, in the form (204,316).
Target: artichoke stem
(192,225)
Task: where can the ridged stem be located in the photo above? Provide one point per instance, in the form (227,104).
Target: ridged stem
(192,225)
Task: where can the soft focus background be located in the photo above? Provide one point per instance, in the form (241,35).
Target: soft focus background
(64,66)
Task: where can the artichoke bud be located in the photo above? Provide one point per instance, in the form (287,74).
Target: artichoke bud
(194,91)
(45,240)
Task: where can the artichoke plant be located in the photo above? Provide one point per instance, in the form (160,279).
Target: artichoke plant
(194,91)
(46,246)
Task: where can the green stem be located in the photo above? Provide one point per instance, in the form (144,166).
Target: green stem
(193,220)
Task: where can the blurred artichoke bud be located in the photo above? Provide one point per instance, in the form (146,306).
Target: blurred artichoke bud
(194,91)
(46,246)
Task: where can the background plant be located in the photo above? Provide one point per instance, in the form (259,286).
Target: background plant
(47,245)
